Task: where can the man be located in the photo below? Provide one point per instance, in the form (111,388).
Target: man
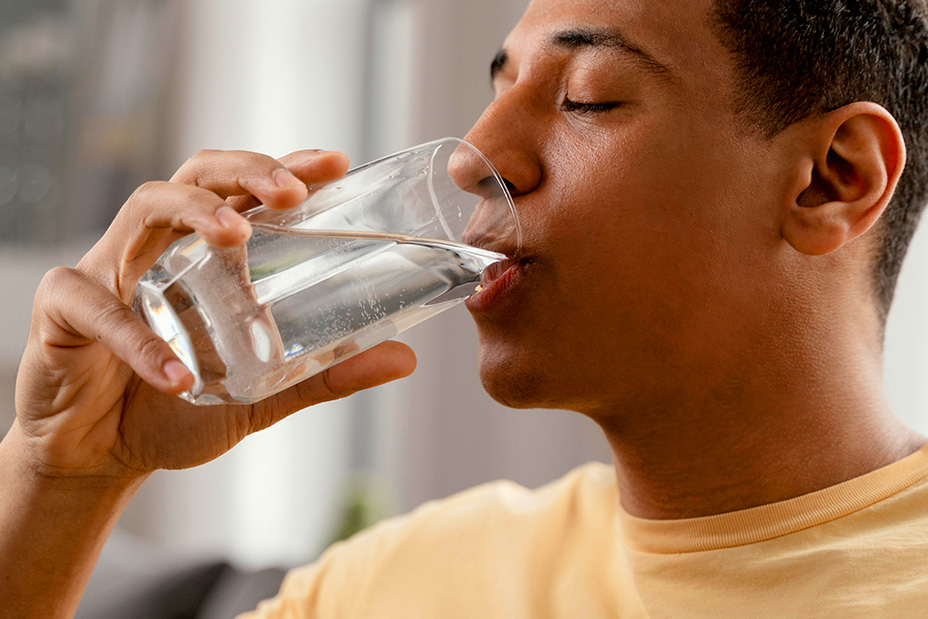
(711,241)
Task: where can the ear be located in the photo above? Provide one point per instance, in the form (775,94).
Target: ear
(852,159)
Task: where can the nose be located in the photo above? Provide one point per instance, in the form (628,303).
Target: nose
(507,137)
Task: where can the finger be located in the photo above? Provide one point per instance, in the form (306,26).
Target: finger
(156,215)
(384,363)
(86,311)
(241,173)
(310,166)
(173,209)
(317,166)
(180,209)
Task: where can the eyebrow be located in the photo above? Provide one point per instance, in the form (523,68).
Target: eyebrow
(581,38)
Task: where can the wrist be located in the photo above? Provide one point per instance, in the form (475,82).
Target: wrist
(52,528)
(25,456)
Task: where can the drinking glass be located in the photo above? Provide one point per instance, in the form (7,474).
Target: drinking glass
(363,258)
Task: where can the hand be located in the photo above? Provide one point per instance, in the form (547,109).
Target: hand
(96,390)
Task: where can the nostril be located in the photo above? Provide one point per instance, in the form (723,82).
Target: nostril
(488,187)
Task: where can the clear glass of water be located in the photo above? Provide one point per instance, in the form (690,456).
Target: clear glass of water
(365,257)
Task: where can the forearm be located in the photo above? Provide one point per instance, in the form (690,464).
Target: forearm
(51,533)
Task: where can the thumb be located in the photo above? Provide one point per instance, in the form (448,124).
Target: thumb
(381,364)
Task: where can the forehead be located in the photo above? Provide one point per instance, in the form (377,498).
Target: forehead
(677,33)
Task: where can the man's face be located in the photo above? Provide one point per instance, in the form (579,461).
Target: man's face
(648,210)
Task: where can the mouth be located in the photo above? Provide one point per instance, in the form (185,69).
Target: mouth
(499,282)
(494,272)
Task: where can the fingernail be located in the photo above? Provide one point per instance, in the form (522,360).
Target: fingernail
(228,217)
(285,178)
(175,371)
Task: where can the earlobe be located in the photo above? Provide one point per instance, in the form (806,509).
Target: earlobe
(852,161)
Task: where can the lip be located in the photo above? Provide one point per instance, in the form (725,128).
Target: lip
(501,244)
(498,283)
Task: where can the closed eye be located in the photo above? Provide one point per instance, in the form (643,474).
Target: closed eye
(576,107)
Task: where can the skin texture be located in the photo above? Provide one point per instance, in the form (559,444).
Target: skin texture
(700,291)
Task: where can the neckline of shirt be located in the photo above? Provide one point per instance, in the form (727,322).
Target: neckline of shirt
(757,524)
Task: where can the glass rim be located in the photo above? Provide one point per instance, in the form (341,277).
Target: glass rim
(434,144)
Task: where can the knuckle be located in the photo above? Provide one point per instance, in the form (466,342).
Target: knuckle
(151,347)
(110,317)
(143,193)
(116,322)
(54,281)
(332,392)
(204,154)
(192,171)
(249,156)
(253,163)
(260,417)
(56,275)
(205,200)
(197,211)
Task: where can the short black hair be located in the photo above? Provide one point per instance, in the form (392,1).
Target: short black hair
(800,58)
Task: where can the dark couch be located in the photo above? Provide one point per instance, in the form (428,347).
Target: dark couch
(131,581)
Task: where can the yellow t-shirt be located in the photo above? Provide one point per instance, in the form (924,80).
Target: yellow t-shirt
(858,549)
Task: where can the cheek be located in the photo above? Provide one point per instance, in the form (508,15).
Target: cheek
(585,190)
(607,213)
(650,229)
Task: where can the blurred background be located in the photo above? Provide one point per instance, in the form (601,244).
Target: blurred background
(98,96)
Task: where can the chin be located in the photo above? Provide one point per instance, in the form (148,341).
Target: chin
(526,364)
(513,382)
(528,374)
(505,390)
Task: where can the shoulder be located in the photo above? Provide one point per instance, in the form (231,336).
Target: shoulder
(501,514)
(590,487)
(454,539)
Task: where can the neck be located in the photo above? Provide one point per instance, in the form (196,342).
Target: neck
(757,435)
